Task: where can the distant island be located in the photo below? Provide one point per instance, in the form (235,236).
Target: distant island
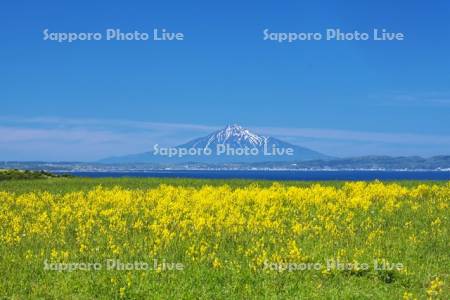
(237,148)
(232,144)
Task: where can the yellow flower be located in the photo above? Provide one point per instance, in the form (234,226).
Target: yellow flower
(435,287)
(216,263)
(122,292)
(408,296)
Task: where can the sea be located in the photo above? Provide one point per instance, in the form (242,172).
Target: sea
(275,175)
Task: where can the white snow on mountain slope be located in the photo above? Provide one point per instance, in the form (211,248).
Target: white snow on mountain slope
(235,134)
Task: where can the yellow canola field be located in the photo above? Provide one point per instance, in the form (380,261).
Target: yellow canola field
(237,229)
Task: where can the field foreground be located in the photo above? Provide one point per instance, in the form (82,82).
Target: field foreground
(229,240)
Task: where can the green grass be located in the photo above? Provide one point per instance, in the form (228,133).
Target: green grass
(64,185)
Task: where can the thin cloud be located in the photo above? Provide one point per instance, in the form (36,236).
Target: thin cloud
(110,123)
(363,136)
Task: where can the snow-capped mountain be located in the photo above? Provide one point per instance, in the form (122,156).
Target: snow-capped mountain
(233,135)
(232,144)
(237,137)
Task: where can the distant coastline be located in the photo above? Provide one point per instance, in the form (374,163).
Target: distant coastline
(299,175)
(365,163)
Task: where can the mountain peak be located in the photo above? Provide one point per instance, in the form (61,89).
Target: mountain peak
(233,127)
(233,138)
(236,134)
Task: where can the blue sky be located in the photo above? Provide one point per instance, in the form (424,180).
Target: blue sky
(86,100)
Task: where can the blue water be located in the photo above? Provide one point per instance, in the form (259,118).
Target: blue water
(278,175)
